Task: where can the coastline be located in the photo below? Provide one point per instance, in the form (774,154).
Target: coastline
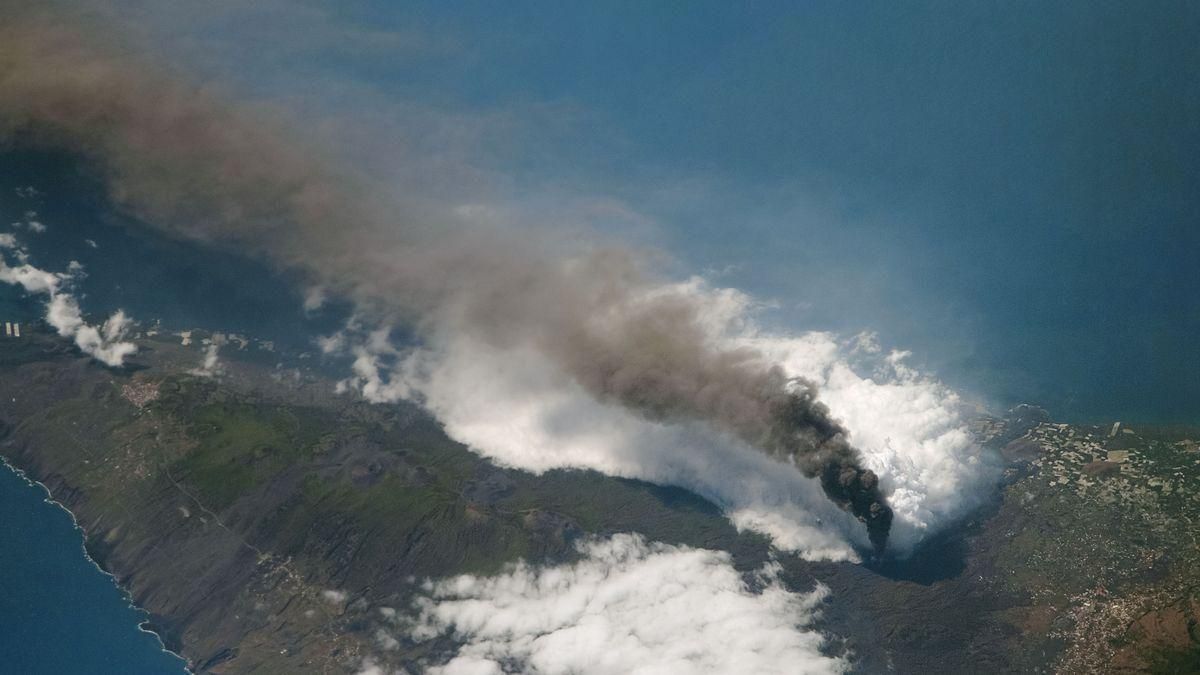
(142,625)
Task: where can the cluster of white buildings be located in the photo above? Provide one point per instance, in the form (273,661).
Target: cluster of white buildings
(12,329)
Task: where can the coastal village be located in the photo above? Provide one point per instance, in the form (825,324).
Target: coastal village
(1092,541)
(1100,535)
(1118,466)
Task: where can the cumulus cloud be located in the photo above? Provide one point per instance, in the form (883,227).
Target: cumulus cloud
(334,596)
(376,366)
(911,429)
(28,277)
(106,343)
(517,408)
(371,667)
(584,345)
(385,640)
(211,363)
(314,298)
(628,606)
(29,221)
(32,223)
(331,344)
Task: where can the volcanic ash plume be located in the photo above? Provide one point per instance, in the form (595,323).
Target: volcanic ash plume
(180,158)
(805,432)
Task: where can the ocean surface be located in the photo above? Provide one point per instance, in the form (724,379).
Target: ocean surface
(59,613)
(1094,326)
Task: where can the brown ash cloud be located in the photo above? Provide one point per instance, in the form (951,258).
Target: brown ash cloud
(186,158)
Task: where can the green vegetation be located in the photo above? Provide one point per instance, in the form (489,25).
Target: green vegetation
(1105,549)
(230,508)
(240,446)
(1175,662)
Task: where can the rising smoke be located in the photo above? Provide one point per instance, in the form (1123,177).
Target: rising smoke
(182,158)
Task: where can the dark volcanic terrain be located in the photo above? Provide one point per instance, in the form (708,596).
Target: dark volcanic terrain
(265,521)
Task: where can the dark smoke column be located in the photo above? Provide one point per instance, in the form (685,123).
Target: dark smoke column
(805,433)
(857,490)
(199,167)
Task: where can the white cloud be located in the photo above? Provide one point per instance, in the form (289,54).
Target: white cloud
(334,596)
(31,223)
(105,343)
(628,606)
(378,369)
(909,428)
(32,279)
(386,641)
(513,406)
(866,342)
(370,667)
(331,344)
(314,298)
(62,313)
(211,365)
(28,277)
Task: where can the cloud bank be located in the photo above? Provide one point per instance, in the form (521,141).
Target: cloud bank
(105,343)
(517,408)
(598,332)
(628,606)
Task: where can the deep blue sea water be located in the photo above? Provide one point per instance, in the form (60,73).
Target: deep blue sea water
(59,613)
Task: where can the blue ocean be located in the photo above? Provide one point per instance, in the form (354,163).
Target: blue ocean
(59,613)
